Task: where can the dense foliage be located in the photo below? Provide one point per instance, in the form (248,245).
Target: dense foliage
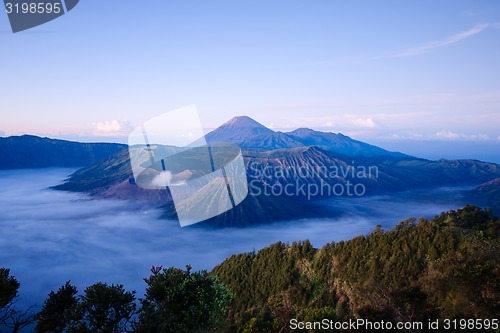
(447,267)
(176,300)
(182,301)
(101,309)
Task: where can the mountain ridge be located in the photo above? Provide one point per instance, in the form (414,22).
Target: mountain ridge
(488,194)
(278,169)
(30,151)
(248,133)
(341,162)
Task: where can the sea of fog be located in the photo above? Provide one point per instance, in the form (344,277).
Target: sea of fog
(48,237)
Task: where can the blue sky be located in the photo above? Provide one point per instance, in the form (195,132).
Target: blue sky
(378,71)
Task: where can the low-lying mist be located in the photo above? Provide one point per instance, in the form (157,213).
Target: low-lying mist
(48,237)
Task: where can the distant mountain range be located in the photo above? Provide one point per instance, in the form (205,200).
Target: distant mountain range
(272,159)
(248,133)
(28,151)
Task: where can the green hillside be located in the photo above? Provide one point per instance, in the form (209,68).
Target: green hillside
(447,267)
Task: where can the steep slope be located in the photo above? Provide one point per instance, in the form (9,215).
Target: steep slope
(338,143)
(488,194)
(112,178)
(238,129)
(254,209)
(446,267)
(29,151)
(311,165)
(492,187)
(247,133)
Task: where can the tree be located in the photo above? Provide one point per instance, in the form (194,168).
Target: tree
(183,301)
(107,309)
(9,287)
(59,310)
(466,283)
(9,316)
(102,309)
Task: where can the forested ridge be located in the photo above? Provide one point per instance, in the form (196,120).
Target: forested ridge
(446,267)
(442,268)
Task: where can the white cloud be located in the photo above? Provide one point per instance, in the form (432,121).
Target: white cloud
(2,133)
(453,136)
(362,122)
(447,135)
(447,41)
(112,128)
(162,179)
